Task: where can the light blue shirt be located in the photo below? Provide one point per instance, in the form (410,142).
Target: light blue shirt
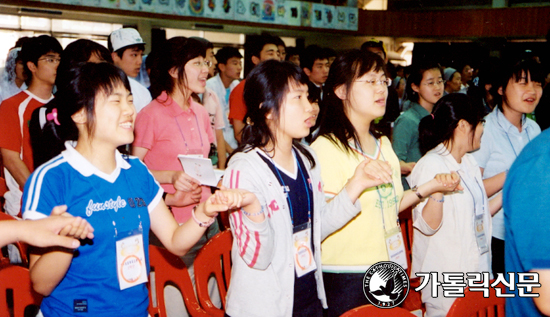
(215,83)
(501,144)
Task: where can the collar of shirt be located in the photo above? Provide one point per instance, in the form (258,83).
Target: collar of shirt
(84,167)
(506,125)
(173,108)
(419,110)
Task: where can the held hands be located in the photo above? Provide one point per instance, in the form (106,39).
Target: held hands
(227,199)
(184,182)
(45,232)
(76,228)
(406,168)
(445,183)
(371,173)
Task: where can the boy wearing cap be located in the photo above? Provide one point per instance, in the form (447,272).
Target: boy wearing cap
(230,67)
(41,57)
(127,47)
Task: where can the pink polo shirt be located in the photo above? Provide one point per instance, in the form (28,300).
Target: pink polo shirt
(166,131)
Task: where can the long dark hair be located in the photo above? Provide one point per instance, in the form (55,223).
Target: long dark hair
(439,127)
(264,92)
(345,69)
(85,82)
(174,53)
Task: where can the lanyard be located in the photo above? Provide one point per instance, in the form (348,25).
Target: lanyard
(183,136)
(282,182)
(378,187)
(508,137)
(473,196)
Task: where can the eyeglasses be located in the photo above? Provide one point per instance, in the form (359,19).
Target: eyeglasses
(374,82)
(433,84)
(207,64)
(50,60)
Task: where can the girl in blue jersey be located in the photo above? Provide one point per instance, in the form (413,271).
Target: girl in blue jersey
(116,194)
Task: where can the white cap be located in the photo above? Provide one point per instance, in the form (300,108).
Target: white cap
(125,37)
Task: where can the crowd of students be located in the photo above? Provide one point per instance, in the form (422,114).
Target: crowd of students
(321,153)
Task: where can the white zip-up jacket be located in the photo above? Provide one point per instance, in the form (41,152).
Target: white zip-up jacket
(262,276)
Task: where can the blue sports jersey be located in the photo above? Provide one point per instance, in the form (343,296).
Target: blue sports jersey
(114,205)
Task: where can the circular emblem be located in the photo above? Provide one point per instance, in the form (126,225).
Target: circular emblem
(386,284)
(130,269)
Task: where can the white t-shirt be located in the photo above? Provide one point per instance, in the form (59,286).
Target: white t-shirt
(142,96)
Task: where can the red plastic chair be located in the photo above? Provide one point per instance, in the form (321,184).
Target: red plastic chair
(369,310)
(474,304)
(22,247)
(17,279)
(214,259)
(168,269)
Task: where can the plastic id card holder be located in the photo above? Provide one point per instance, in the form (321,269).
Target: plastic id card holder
(304,262)
(481,239)
(130,258)
(396,247)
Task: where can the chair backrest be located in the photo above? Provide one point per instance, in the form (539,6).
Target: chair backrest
(369,310)
(214,259)
(168,269)
(475,304)
(3,186)
(17,280)
(22,247)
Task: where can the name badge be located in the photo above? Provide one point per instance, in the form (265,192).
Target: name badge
(479,228)
(304,262)
(130,258)
(396,247)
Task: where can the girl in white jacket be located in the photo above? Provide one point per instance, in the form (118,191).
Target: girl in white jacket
(277,238)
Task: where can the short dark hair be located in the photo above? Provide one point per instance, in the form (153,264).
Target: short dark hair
(513,69)
(36,47)
(77,52)
(279,41)
(310,55)
(329,52)
(227,52)
(255,45)
(291,51)
(373,43)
